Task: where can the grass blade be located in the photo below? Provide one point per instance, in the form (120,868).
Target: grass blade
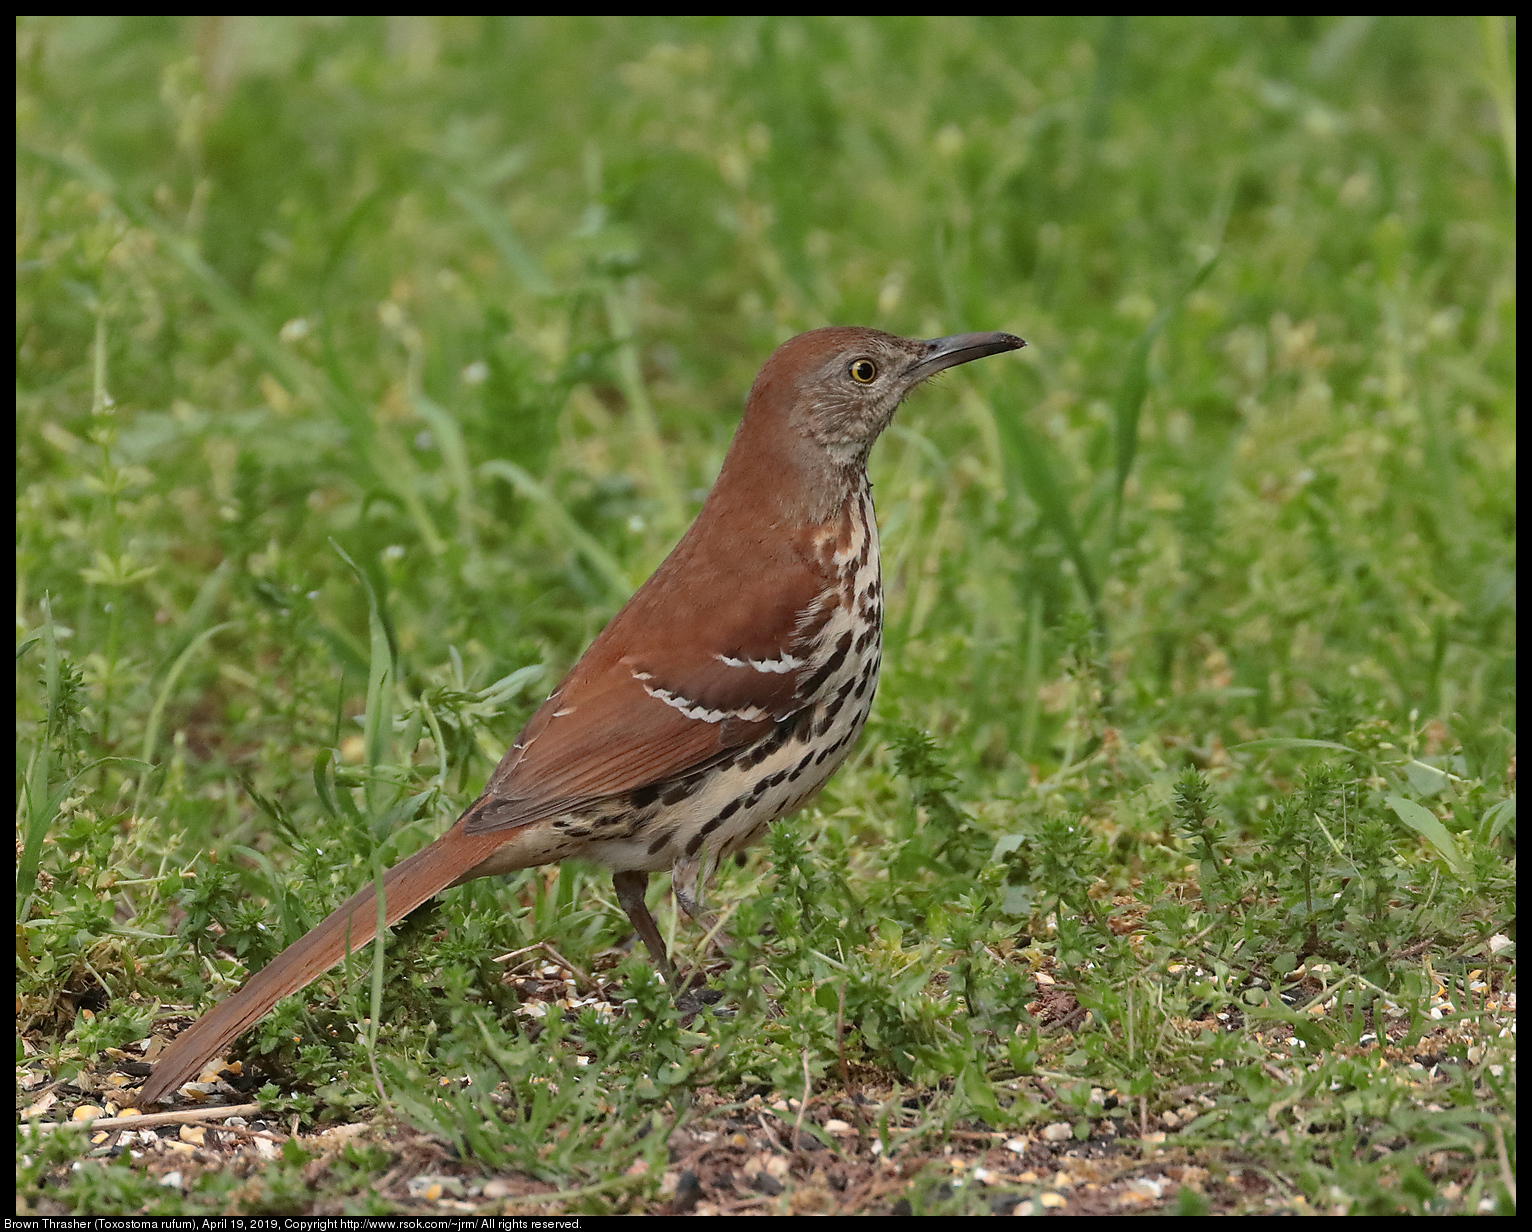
(378,722)
(1426,824)
(557,518)
(630,379)
(1128,405)
(157,711)
(449,435)
(1028,462)
(39,806)
(1295,742)
(512,251)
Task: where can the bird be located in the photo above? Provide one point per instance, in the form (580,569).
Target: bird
(721,696)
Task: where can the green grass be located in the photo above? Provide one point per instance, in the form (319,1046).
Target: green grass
(364,367)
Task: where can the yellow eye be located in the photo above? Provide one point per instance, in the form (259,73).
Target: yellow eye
(863,371)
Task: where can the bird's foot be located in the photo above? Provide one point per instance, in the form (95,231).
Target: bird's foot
(693,996)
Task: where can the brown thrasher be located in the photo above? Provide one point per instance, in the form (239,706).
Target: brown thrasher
(721,697)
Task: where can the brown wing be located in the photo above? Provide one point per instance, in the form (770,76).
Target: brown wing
(706,657)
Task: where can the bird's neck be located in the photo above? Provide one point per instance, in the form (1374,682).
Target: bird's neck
(785,478)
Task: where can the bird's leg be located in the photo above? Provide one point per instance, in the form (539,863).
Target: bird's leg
(630,886)
(688,881)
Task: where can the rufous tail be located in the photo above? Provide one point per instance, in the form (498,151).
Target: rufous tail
(405,886)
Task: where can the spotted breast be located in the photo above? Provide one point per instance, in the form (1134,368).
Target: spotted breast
(829,664)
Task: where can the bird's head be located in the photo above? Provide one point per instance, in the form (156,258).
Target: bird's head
(839,387)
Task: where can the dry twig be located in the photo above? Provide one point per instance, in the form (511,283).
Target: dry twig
(188,1117)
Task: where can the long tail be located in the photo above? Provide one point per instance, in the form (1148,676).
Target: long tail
(405,886)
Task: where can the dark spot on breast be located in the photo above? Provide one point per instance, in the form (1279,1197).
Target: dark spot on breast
(659,844)
(732,807)
(840,697)
(645,796)
(766,784)
(770,744)
(696,841)
(803,725)
(869,674)
(680,791)
(831,665)
(800,767)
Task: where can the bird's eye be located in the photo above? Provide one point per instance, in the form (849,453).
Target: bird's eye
(863,371)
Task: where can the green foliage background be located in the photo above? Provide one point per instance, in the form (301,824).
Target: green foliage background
(477,300)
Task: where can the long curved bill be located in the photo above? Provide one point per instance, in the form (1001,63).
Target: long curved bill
(942,353)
